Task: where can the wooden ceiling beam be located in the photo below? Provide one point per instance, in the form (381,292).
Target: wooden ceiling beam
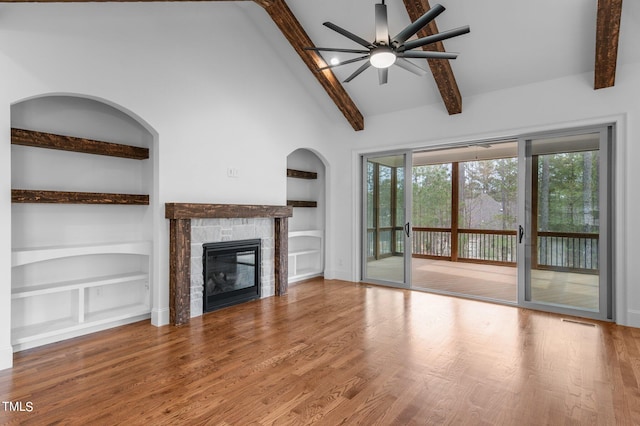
(286,21)
(441,69)
(607,35)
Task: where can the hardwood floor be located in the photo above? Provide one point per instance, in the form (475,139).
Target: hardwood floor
(332,353)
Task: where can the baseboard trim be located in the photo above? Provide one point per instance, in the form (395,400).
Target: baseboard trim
(632,319)
(160,317)
(6,358)
(338,275)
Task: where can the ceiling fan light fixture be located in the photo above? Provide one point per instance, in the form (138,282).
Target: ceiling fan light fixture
(385,51)
(382,57)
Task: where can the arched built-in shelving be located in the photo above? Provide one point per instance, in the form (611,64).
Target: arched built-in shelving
(306,194)
(81,240)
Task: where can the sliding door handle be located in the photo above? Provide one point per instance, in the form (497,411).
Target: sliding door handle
(406,229)
(520,233)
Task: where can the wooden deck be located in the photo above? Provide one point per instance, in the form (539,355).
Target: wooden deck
(473,279)
(493,282)
(333,352)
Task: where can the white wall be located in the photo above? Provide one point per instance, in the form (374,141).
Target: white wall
(6,351)
(557,104)
(200,75)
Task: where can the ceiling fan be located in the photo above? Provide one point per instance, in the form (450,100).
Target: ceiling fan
(386,51)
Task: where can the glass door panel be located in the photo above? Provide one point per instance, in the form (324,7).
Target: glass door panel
(465,220)
(386,225)
(566,244)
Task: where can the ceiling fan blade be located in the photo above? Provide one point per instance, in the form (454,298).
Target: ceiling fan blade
(413,28)
(382,27)
(350,61)
(434,38)
(383,75)
(334,49)
(427,54)
(410,66)
(358,71)
(348,34)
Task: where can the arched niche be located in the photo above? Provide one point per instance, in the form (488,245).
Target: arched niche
(93,262)
(306,192)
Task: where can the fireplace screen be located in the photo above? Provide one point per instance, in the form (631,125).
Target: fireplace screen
(231,273)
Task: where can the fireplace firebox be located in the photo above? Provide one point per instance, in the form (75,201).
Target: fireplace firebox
(231,272)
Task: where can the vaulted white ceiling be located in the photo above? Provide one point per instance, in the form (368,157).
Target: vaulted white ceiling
(511,43)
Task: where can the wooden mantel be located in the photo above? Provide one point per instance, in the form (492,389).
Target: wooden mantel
(226,211)
(180,215)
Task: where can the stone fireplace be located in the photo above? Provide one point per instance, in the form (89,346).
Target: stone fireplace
(192,225)
(229,231)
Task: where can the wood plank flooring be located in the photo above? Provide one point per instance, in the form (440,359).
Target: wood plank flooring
(331,353)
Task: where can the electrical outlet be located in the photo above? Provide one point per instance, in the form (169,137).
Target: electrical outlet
(233,172)
(98,291)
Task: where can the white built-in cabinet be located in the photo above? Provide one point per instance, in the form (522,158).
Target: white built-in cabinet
(81,243)
(305,193)
(306,250)
(50,311)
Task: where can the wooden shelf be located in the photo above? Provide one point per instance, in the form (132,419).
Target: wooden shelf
(117,314)
(304,252)
(38,254)
(300,174)
(50,328)
(317,233)
(298,203)
(70,143)
(37,290)
(66,197)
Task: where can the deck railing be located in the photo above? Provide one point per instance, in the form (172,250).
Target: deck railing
(572,251)
(556,250)
(473,244)
(434,242)
(491,246)
(390,241)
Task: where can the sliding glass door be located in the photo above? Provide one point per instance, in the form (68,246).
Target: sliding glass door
(385,215)
(523,221)
(564,231)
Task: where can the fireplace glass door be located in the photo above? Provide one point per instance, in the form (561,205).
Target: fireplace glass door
(231,272)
